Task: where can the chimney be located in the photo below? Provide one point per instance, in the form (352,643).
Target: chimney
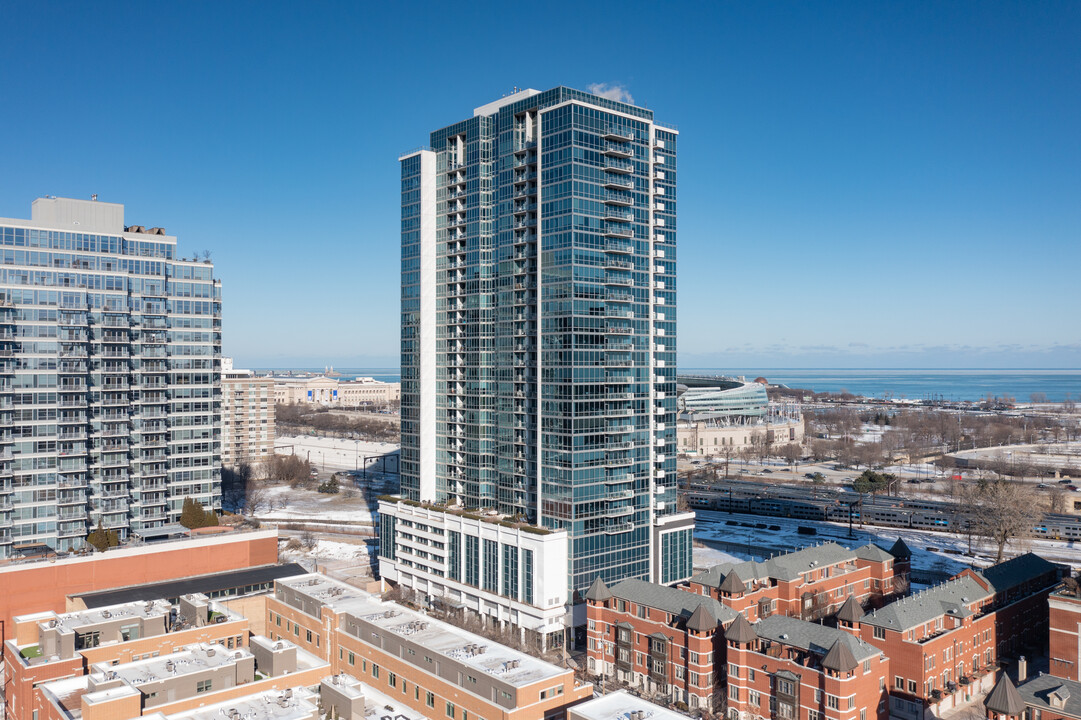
(1022,669)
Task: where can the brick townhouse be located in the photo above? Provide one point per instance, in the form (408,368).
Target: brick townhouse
(790,669)
(809,584)
(430,666)
(658,639)
(48,645)
(945,642)
(1057,694)
(194,676)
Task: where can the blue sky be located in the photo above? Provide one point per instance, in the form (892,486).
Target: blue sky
(861,184)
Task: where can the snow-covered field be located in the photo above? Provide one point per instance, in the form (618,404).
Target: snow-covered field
(338,453)
(299,504)
(333,550)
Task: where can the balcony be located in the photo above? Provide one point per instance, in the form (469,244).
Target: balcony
(618,528)
(617,264)
(618,134)
(617,230)
(618,280)
(618,199)
(621,167)
(618,150)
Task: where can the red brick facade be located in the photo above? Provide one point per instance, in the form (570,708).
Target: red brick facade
(649,637)
(771,677)
(808,584)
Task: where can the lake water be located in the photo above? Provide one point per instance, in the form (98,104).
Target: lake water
(1019,384)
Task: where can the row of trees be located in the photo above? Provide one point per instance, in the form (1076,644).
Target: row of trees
(302,417)
(194,515)
(923,431)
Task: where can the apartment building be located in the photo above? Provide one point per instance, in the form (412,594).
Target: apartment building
(247,417)
(339,696)
(32,587)
(1057,694)
(810,583)
(432,667)
(783,667)
(1064,632)
(621,705)
(577,432)
(510,574)
(191,678)
(292,703)
(48,645)
(945,642)
(110,395)
(658,639)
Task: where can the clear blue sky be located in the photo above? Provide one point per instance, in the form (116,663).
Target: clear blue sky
(862,184)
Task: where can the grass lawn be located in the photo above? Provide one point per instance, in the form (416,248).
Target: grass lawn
(34,651)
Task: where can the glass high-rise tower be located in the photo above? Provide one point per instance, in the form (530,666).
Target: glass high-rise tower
(110,377)
(539,327)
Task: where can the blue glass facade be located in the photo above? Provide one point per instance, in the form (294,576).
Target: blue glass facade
(555,323)
(110,393)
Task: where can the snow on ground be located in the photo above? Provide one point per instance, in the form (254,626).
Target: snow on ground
(935,553)
(331,550)
(707,557)
(337,453)
(299,504)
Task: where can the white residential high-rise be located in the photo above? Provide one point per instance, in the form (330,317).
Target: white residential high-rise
(110,370)
(539,329)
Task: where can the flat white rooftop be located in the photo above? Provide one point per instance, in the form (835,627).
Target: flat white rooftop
(84,618)
(510,666)
(621,705)
(289,704)
(378,704)
(193,659)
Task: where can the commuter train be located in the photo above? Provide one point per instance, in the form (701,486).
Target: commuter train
(841,507)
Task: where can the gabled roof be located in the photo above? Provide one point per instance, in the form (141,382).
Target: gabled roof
(840,658)
(873,553)
(900,550)
(732,583)
(812,637)
(787,567)
(671,600)
(1004,698)
(1037,693)
(1017,571)
(702,620)
(850,612)
(598,591)
(949,598)
(740,631)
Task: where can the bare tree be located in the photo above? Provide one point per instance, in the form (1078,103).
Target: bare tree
(256,497)
(727,452)
(792,454)
(308,540)
(1056,500)
(1003,512)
